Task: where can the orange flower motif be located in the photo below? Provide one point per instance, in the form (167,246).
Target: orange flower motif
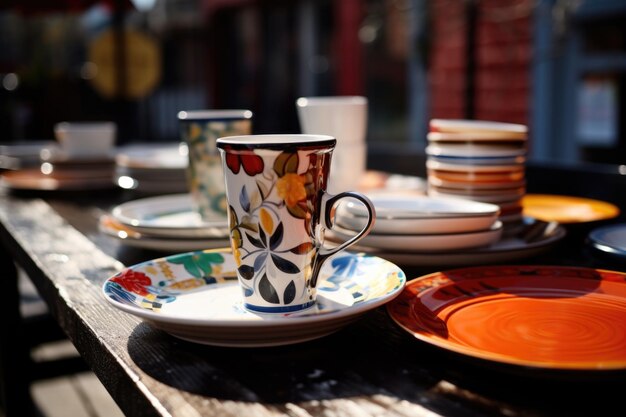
(291,188)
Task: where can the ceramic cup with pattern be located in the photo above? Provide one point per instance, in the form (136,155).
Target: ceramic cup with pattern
(200,129)
(279,210)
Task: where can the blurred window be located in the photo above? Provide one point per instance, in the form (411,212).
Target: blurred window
(139,62)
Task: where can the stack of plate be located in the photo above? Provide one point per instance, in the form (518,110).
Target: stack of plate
(420,224)
(165,223)
(152,169)
(481,161)
(57,170)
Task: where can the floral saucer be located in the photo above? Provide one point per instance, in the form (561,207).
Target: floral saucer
(195,296)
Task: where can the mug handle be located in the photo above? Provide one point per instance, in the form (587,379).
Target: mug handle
(328,202)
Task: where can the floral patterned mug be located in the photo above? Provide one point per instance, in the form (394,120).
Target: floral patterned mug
(200,129)
(278,211)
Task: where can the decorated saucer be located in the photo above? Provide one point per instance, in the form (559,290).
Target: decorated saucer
(195,296)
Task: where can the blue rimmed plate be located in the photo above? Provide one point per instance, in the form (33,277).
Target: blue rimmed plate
(195,296)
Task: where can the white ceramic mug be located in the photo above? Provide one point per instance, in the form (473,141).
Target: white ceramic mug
(199,129)
(278,212)
(85,138)
(344,118)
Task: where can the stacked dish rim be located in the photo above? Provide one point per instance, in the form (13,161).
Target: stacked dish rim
(421,223)
(479,160)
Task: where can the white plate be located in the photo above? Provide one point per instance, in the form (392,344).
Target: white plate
(129,237)
(465,125)
(453,223)
(196,297)
(467,150)
(506,250)
(168,215)
(420,207)
(148,156)
(422,243)
(499,198)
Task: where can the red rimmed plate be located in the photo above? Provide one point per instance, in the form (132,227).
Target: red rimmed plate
(547,317)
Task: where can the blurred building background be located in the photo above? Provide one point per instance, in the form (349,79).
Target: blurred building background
(557,65)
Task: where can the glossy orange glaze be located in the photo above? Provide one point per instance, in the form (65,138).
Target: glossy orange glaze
(566,209)
(477,177)
(538,316)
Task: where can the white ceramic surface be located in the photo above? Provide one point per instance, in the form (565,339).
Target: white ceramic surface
(130,237)
(497,198)
(423,222)
(471,149)
(149,156)
(483,126)
(168,215)
(421,207)
(347,167)
(195,297)
(423,243)
(86,138)
(345,119)
(505,250)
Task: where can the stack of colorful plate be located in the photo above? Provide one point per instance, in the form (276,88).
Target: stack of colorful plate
(479,160)
(420,224)
(58,170)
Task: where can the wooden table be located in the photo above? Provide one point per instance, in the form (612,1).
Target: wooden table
(370,368)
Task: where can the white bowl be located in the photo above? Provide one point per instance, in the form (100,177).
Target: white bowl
(86,138)
(421,207)
(424,243)
(417,226)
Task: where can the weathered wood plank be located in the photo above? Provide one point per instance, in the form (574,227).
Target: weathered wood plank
(370,368)
(58,397)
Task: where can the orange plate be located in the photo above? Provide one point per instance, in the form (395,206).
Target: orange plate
(566,209)
(547,317)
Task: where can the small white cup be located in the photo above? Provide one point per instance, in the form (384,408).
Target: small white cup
(344,118)
(85,138)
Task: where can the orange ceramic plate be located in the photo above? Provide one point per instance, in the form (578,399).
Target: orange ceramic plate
(565,209)
(537,316)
